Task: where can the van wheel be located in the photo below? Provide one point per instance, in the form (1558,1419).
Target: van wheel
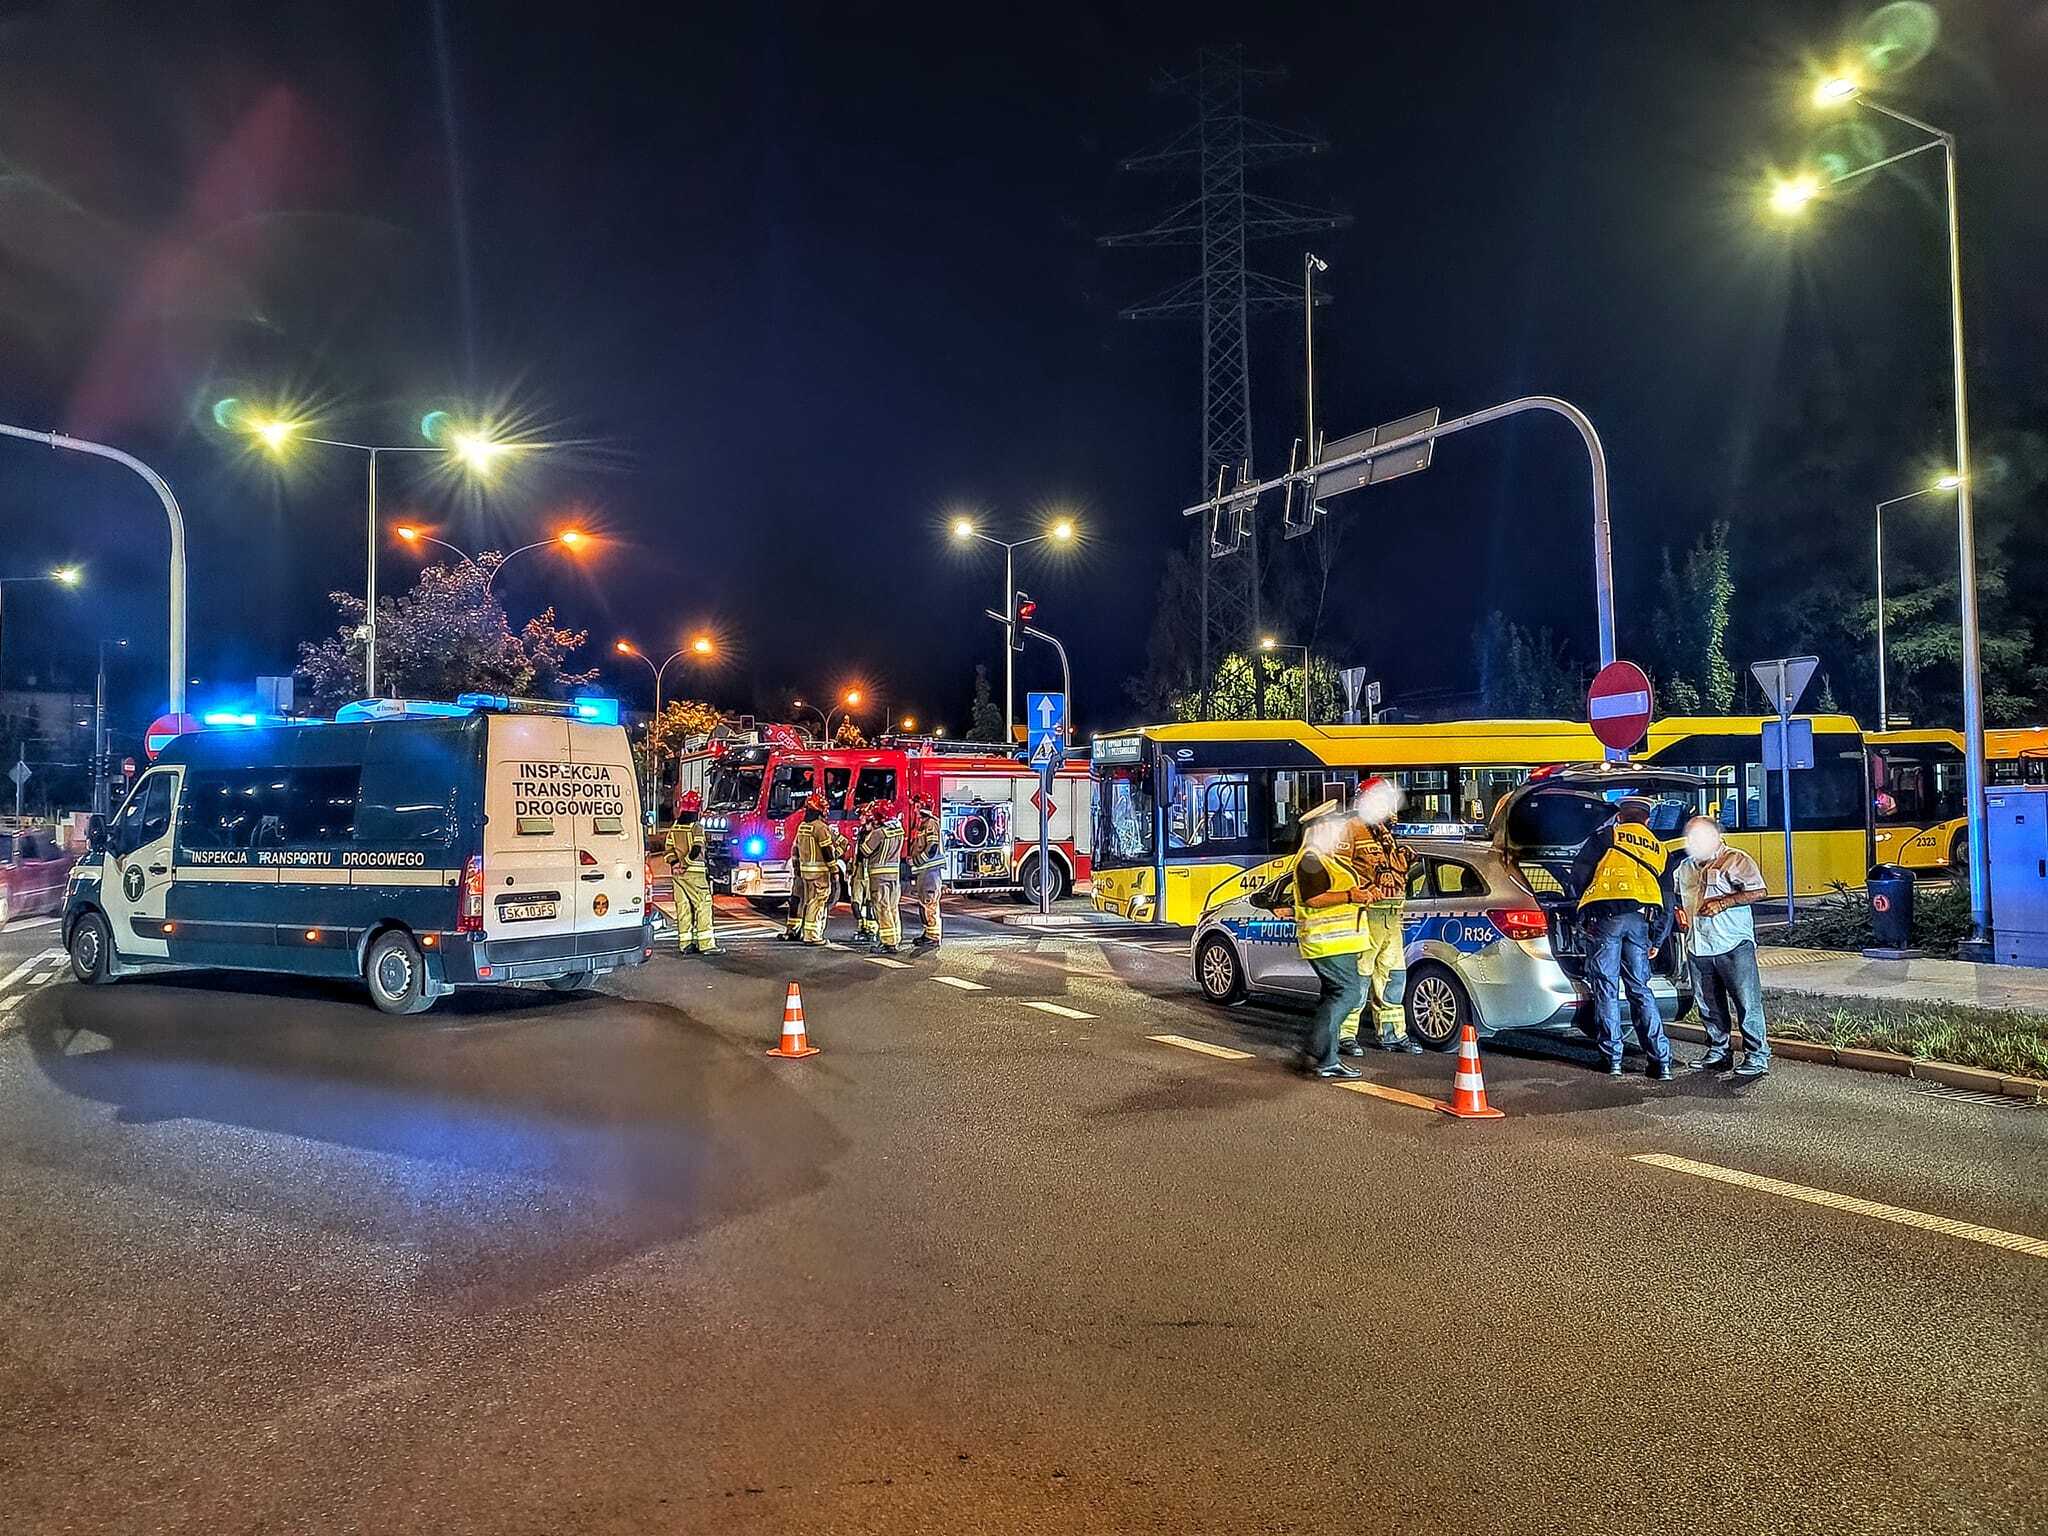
(92,949)
(397,974)
(575,981)
(1437,1006)
(1218,972)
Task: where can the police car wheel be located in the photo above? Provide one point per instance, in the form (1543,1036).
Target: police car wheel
(1437,1006)
(91,949)
(397,974)
(1218,972)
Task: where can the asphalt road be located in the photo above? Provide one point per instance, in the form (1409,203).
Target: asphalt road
(271,1262)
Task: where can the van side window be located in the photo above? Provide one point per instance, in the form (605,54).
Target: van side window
(232,808)
(320,805)
(874,784)
(146,817)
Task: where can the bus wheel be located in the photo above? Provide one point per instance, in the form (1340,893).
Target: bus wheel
(397,974)
(1959,856)
(1437,1006)
(92,949)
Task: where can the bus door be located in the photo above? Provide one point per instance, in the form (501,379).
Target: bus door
(611,867)
(136,877)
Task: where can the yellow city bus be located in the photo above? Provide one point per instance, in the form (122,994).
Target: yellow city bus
(1183,809)
(1918,804)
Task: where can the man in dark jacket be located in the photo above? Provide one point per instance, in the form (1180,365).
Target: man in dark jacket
(1623,876)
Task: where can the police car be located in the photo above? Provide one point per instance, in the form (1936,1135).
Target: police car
(1492,936)
(416,846)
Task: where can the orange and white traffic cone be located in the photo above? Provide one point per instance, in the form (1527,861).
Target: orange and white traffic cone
(1468,1088)
(795,1042)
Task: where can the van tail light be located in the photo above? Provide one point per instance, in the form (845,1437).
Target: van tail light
(471,918)
(583,857)
(1520,922)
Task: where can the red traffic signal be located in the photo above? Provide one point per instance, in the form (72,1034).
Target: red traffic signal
(1023,612)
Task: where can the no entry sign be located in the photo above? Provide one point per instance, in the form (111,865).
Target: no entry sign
(164,730)
(1618,705)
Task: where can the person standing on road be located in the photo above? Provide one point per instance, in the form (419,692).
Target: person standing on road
(927,867)
(1717,885)
(862,885)
(1626,912)
(691,875)
(816,853)
(881,849)
(1381,864)
(1330,930)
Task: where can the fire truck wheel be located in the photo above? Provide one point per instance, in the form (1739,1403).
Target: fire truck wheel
(1028,878)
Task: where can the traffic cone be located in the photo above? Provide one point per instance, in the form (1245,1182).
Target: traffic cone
(795,1042)
(1468,1088)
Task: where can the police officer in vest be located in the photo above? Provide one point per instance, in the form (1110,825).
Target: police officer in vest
(1331,931)
(881,850)
(692,877)
(1625,909)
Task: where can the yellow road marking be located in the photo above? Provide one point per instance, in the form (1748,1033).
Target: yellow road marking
(961,982)
(1991,1237)
(1391,1095)
(1221,1052)
(1063,1012)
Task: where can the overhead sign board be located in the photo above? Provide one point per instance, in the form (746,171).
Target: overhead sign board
(1382,467)
(1618,705)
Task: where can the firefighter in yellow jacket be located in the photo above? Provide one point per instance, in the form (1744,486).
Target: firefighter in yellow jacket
(881,850)
(1623,875)
(685,852)
(816,853)
(927,867)
(1381,865)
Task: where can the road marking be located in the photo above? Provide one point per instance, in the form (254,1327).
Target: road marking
(1062,1011)
(24,924)
(961,982)
(9,1001)
(21,970)
(1391,1095)
(1991,1237)
(894,965)
(1220,1052)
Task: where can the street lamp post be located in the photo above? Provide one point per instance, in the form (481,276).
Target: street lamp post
(99,731)
(172,511)
(1837,91)
(1268,643)
(570,539)
(1061,532)
(1945,483)
(700,647)
(848,703)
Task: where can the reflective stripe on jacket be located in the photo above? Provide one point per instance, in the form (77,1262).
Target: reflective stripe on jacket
(1630,870)
(927,851)
(1337,929)
(1382,864)
(814,852)
(881,847)
(686,848)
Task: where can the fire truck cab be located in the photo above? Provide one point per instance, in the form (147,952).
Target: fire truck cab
(988,804)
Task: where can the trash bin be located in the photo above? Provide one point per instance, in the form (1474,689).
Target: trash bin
(1891,906)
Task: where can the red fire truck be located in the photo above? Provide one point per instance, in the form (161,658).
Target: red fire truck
(988,806)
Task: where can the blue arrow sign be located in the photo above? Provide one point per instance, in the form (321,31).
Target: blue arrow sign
(1045,726)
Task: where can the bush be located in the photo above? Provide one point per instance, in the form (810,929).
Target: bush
(1998,1039)
(1841,920)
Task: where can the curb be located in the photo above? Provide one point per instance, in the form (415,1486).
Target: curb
(1891,1063)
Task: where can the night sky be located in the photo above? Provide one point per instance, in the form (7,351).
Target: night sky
(797,283)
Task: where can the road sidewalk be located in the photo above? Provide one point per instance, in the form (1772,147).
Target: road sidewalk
(1836,973)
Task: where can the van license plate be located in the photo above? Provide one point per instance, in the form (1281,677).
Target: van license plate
(528,911)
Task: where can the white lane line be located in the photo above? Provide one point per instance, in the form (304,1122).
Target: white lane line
(1392,1095)
(24,924)
(894,965)
(9,1001)
(1057,1008)
(1220,1052)
(1991,1237)
(21,970)
(961,982)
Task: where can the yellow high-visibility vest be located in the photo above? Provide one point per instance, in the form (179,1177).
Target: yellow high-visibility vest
(1337,929)
(1629,870)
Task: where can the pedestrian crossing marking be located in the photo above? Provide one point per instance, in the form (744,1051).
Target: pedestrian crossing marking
(42,957)
(961,982)
(1992,1237)
(1391,1095)
(894,965)
(1220,1052)
(1063,1012)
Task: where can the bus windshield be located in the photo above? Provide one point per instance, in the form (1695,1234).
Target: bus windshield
(1123,816)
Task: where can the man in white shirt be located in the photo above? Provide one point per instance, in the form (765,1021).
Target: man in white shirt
(1717,885)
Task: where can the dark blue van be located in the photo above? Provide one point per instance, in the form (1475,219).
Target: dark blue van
(422,848)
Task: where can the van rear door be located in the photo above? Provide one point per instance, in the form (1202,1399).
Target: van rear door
(530,871)
(611,872)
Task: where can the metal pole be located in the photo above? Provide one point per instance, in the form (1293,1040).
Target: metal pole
(653,770)
(99,737)
(177,522)
(370,592)
(1966,536)
(1045,772)
(1009,645)
(1884,714)
(1310,265)
(1785,781)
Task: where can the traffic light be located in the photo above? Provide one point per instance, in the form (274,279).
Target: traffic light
(1023,612)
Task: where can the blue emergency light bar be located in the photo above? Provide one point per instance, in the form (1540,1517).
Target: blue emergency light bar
(397,709)
(597,711)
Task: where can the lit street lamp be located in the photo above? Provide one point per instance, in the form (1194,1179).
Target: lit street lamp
(571,539)
(849,701)
(475,449)
(63,575)
(1945,483)
(701,648)
(1268,643)
(1792,198)
(1062,531)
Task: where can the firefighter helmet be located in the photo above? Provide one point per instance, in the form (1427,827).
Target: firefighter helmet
(690,804)
(816,802)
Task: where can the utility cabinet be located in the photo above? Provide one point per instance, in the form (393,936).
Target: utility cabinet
(2016,845)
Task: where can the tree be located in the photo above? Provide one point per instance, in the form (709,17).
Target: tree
(445,636)
(1690,628)
(681,724)
(986,721)
(1524,673)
